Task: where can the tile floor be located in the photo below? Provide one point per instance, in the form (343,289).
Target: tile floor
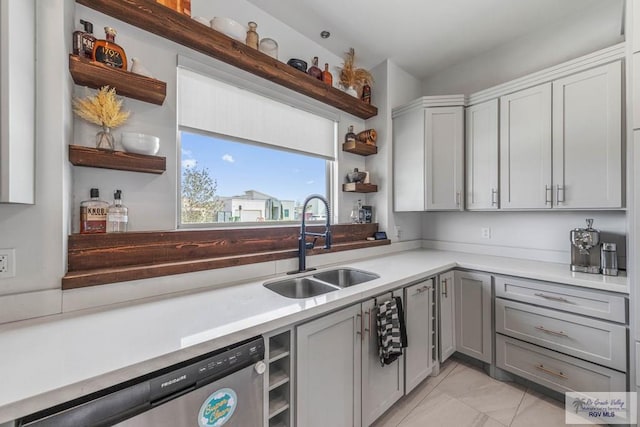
(465,396)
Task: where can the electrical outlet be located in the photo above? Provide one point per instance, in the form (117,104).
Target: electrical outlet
(7,263)
(486,233)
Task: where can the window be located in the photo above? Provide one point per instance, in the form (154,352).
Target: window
(226,181)
(247,158)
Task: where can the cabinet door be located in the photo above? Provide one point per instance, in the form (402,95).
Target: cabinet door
(587,139)
(482,156)
(382,386)
(473,315)
(525,149)
(328,370)
(419,321)
(447,318)
(444,141)
(408,162)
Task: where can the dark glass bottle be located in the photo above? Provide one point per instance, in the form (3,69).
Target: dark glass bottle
(366,94)
(350,136)
(93,214)
(314,71)
(326,75)
(83,40)
(108,52)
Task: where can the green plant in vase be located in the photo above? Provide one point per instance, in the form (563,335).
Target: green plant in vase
(103,109)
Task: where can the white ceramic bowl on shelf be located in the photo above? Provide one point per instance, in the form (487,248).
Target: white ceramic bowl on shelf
(229,27)
(140,143)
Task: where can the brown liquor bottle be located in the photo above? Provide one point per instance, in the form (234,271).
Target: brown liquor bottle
(108,52)
(93,214)
(326,75)
(314,71)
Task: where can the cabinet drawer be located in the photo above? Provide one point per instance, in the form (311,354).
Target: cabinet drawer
(563,297)
(590,339)
(554,370)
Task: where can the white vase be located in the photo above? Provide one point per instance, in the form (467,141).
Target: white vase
(351,91)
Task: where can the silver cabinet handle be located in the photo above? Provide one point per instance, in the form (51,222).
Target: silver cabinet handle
(457,198)
(549,331)
(494,193)
(552,298)
(421,290)
(445,288)
(367,327)
(559,374)
(359,330)
(548,193)
(559,189)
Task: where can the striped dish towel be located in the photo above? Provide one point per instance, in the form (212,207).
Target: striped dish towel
(392,335)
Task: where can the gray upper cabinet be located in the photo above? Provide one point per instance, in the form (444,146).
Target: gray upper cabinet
(481,152)
(17,101)
(587,139)
(473,315)
(525,149)
(428,165)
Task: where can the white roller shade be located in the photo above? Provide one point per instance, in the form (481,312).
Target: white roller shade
(210,105)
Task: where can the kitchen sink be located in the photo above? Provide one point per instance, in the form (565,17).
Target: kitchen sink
(319,283)
(300,287)
(345,277)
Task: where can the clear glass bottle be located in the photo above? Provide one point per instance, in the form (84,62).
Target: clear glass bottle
(314,71)
(350,135)
(252,35)
(108,51)
(326,75)
(118,215)
(93,214)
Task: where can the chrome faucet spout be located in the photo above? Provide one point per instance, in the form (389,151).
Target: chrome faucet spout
(302,238)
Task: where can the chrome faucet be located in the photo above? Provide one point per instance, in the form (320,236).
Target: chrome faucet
(302,241)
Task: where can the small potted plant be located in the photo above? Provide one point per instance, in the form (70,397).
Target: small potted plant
(104,109)
(352,79)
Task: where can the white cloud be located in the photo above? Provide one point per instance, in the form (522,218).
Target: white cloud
(228,158)
(310,182)
(186,153)
(188,163)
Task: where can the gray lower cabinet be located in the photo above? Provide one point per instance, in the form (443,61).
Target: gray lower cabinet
(340,380)
(419,321)
(473,315)
(447,316)
(329,369)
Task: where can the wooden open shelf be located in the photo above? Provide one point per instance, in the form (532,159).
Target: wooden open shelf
(361,148)
(358,187)
(169,24)
(95,75)
(119,160)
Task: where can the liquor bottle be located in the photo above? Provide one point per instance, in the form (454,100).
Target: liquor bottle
(314,71)
(326,75)
(117,215)
(83,40)
(93,214)
(350,136)
(366,94)
(108,52)
(252,35)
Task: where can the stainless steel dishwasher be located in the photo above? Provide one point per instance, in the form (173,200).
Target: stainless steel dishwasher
(220,388)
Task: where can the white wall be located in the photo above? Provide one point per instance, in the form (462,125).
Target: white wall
(38,232)
(561,41)
(536,235)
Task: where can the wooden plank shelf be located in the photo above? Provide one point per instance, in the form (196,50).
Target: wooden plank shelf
(360,148)
(358,187)
(95,75)
(119,160)
(171,25)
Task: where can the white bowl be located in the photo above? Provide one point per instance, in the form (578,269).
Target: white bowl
(140,143)
(229,27)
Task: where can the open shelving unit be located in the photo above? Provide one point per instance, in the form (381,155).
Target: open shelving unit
(95,75)
(171,25)
(359,187)
(119,160)
(360,148)
(279,385)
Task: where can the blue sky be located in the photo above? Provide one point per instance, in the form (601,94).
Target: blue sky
(238,167)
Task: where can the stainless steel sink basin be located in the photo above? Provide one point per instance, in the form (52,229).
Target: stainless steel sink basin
(300,287)
(319,283)
(345,277)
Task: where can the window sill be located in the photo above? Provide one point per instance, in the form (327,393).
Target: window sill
(101,259)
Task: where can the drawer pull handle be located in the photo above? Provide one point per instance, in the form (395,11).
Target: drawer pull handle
(359,331)
(367,328)
(445,288)
(421,290)
(549,331)
(552,298)
(541,367)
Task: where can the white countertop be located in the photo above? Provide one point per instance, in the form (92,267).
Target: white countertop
(47,361)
